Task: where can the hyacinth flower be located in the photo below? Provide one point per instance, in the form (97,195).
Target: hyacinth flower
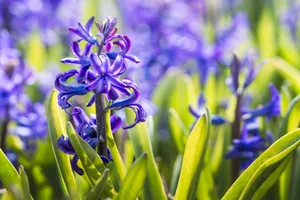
(268,110)
(215,119)
(100,73)
(26,16)
(86,129)
(248,147)
(31,122)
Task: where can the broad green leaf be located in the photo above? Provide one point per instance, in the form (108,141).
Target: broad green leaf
(134,179)
(193,159)
(290,122)
(216,154)
(267,174)
(178,130)
(175,174)
(289,141)
(97,190)
(141,143)
(206,188)
(91,162)
(285,99)
(292,117)
(118,162)
(288,71)
(266,35)
(24,183)
(8,173)
(55,130)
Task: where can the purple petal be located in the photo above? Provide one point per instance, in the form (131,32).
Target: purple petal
(88,49)
(132,58)
(91,101)
(115,123)
(76,49)
(115,81)
(65,145)
(94,84)
(74,165)
(112,94)
(104,85)
(89,24)
(79,116)
(128,44)
(75,61)
(116,66)
(96,63)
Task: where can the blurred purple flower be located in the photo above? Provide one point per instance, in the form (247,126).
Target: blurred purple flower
(248,147)
(270,109)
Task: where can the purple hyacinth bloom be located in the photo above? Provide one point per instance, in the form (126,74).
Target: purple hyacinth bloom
(86,129)
(270,109)
(247,148)
(31,122)
(85,32)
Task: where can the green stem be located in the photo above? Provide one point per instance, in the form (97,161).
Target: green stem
(121,169)
(4,129)
(100,118)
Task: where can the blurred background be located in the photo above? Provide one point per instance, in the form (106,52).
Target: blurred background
(185,48)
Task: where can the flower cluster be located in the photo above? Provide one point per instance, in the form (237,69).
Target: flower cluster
(23,17)
(86,129)
(17,108)
(100,72)
(251,142)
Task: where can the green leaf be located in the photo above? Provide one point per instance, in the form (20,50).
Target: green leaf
(118,162)
(292,117)
(288,71)
(134,179)
(285,99)
(287,143)
(24,183)
(193,159)
(55,130)
(178,130)
(8,173)
(97,190)
(83,150)
(266,35)
(266,175)
(140,139)
(175,174)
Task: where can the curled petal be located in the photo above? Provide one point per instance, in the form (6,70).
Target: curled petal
(88,49)
(115,81)
(104,85)
(195,112)
(79,116)
(82,74)
(74,165)
(125,102)
(65,145)
(140,115)
(91,101)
